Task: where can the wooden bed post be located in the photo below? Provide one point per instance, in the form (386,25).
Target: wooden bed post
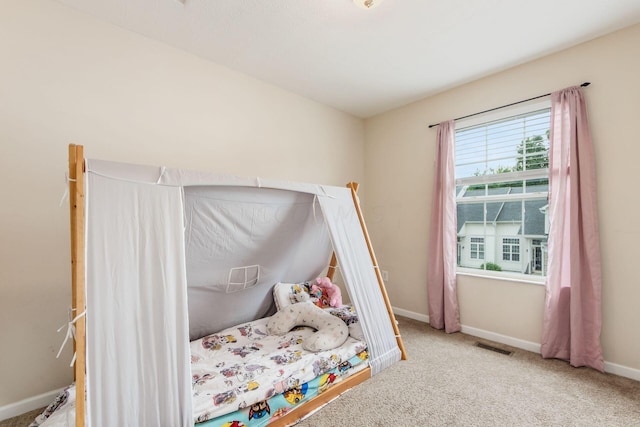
(332,266)
(77,218)
(354,189)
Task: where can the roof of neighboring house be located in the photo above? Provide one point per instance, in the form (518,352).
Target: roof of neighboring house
(506,212)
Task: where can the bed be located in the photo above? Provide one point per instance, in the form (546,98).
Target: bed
(245,376)
(206,252)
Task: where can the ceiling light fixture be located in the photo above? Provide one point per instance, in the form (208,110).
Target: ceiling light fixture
(367,4)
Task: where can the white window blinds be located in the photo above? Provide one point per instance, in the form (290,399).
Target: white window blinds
(504,150)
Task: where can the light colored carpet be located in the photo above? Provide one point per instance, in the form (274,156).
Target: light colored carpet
(23,420)
(447,381)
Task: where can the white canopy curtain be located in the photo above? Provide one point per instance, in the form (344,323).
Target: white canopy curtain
(441,263)
(138,358)
(358,270)
(572,318)
(138,361)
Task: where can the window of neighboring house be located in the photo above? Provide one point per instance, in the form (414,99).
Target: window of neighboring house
(477,248)
(502,184)
(510,249)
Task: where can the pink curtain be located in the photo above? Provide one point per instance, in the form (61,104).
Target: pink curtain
(441,264)
(572,318)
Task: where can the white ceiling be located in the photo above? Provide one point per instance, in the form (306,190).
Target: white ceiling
(365,62)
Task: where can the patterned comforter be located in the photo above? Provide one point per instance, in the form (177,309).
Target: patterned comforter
(241,366)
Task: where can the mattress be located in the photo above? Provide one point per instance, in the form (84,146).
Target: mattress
(243,377)
(237,370)
(264,412)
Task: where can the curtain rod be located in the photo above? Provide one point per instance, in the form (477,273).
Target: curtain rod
(585,84)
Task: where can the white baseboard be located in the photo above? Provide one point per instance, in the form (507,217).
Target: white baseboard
(623,371)
(609,367)
(411,314)
(502,339)
(480,333)
(28,404)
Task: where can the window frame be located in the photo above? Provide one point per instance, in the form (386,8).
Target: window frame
(481,119)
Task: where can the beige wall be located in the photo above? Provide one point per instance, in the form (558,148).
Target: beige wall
(67,78)
(399,162)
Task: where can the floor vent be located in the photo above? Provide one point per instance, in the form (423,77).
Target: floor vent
(492,348)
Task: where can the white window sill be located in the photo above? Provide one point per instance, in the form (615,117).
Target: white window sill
(508,277)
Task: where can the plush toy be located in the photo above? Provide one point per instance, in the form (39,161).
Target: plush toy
(315,291)
(333,291)
(299,294)
(319,296)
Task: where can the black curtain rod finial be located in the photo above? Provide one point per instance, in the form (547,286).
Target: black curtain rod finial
(585,84)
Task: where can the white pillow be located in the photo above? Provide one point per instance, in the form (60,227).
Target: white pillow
(331,332)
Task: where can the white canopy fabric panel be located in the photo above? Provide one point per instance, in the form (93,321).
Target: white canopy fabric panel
(138,357)
(233,226)
(240,241)
(358,272)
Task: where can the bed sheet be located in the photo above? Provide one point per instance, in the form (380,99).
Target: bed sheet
(243,365)
(262,413)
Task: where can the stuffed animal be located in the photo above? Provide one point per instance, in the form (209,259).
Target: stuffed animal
(315,291)
(333,291)
(319,296)
(299,294)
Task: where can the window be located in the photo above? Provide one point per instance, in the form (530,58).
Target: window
(510,249)
(477,248)
(242,278)
(502,182)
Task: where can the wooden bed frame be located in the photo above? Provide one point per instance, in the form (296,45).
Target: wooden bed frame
(77,224)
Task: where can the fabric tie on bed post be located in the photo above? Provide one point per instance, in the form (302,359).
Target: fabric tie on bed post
(358,273)
(138,370)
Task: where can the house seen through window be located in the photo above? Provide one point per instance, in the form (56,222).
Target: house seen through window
(502,183)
